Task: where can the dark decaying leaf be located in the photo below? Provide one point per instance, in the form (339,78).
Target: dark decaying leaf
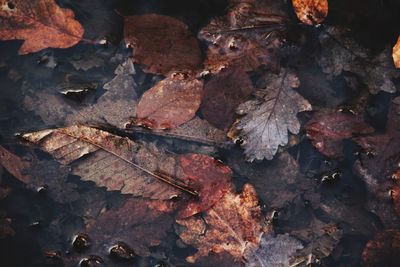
(140,224)
(40,23)
(341,54)
(5,226)
(170,103)
(233,225)
(274,251)
(14,165)
(311,12)
(121,164)
(161,44)
(222,94)
(268,118)
(328,128)
(382,250)
(249,35)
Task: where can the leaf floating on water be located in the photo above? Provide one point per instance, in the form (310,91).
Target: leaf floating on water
(170,103)
(327,129)
(268,118)
(233,225)
(311,12)
(222,94)
(162,44)
(396,54)
(108,160)
(40,23)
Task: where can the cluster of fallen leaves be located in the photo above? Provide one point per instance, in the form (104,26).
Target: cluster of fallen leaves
(244,90)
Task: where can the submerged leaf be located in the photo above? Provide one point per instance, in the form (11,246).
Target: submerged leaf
(40,23)
(170,103)
(311,12)
(162,44)
(233,225)
(268,118)
(382,250)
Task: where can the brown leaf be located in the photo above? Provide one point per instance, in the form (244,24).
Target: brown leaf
(268,118)
(396,53)
(222,94)
(311,12)
(232,225)
(249,34)
(140,224)
(382,250)
(170,103)
(327,129)
(162,44)
(209,177)
(14,165)
(40,23)
(111,161)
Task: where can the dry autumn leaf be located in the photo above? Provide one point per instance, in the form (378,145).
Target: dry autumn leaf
(233,225)
(268,118)
(396,53)
(161,44)
(311,12)
(222,94)
(170,103)
(40,23)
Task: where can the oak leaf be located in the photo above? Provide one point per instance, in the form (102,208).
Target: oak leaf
(222,94)
(327,129)
(268,118)
(40,23)
(161,44)
(396,53)
(311,12)
(233,225)
(170,103)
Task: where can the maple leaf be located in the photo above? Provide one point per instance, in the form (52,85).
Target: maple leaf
(161,44)
(340,53)
(382,250)
(233,225)
(121,164)
(268,118)
(274,251)
(328,128)
(139,223)
(396,53)
(222,94)
(249,34)
(40,23)
(170,103)
(311,12)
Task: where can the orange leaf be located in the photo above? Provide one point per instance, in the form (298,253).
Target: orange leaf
(41,23)
(396,54)
(311,12)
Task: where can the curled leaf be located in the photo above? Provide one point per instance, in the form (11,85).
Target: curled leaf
(40,23)
(161,43)
(311,12)
(170,103)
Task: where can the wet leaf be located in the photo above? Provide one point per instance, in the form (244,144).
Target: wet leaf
(268,118)
(170,103)
(311,12)
(14,165)
(274,251)
(233,225)
(5,226)
(382,250)
(161,44)
(249,34)
(222,94)
(328,128)
(140,224)
(40,23)
(396,54)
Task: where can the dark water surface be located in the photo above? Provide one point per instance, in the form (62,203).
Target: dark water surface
(42,224)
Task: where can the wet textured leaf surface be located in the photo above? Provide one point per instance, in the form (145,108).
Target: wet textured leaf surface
(268,118)
(40,23)
(311,11)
